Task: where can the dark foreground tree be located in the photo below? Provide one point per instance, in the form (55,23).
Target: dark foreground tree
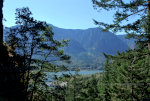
(1,21)
(11,87)
(33,41)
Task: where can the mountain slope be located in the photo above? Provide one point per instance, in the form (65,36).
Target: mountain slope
(129,42)
(93,39)
(86,46)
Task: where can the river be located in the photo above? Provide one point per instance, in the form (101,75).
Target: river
(50,75)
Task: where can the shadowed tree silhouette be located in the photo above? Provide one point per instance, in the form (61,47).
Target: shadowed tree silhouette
(1,21)
(11,87)
(33,41)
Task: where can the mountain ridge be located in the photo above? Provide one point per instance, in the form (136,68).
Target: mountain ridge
(86,46)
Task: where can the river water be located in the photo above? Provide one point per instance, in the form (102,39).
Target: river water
(50,75)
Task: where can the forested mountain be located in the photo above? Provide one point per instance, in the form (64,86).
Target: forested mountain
(86,46)
(92,39)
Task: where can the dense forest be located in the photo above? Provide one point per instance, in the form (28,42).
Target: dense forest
(29,53)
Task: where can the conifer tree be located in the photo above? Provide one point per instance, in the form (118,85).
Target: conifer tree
(33,41)
(128,77)
(139,27)
(129,71)
(90,90)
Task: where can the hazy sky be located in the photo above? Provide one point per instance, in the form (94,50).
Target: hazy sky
(70,14)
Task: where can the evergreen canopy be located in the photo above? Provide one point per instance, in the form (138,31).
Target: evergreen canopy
(139,9)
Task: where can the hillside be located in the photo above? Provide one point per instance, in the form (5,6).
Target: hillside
(86,46)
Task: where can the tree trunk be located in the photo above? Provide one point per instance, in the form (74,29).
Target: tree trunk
(1,21)
(149,46)
(148,11)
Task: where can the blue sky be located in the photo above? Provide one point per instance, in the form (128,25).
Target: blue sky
(69,14)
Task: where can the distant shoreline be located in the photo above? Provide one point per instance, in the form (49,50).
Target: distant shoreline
(87,70)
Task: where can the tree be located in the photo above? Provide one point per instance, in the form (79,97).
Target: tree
(33,41)
(138,28)
(128,72)
(11,87)
(1,21)
(90,91)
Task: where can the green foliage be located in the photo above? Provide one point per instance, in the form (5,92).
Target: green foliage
(126,75)
(33,41)
(81,88)
(125,10)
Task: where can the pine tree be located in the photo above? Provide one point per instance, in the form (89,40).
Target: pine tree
(106,81)
(138,28)
(33,41)
(90,90)
(129,71)
(128,77)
